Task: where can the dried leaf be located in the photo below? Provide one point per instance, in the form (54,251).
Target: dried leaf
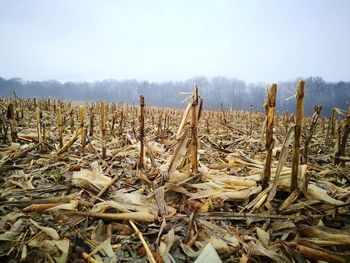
(94,177)
(47,230)
(208,254)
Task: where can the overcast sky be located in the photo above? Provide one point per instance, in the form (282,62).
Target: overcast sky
(174,40)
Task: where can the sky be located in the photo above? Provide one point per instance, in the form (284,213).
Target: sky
(255,40)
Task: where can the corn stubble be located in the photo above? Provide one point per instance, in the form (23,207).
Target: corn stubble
(136,182)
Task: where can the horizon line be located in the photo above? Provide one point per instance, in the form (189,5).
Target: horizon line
(140,80)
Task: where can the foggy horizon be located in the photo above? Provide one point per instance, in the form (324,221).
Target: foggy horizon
(194,78)
(161,41)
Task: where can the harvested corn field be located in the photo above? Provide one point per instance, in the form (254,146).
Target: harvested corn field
(106,182)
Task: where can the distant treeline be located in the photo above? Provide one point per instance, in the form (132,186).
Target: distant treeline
(216,91)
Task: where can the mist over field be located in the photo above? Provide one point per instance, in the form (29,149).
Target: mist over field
(216,91)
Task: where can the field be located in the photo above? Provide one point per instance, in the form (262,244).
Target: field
(107,182)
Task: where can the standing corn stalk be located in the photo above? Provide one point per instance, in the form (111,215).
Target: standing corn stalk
(323,124)
(142,131)
(340,151)
(38,123)
(286,120)
(297,134)
(270,114)
(59,127)
(12,121)
(207,126)
(251,119)
(121,122)
(194,121)
(91,128)
(327,141)
(3,126)
(114,119)
(82,130)
(333,124)
(71,120)
(103,127)
(315,116)
(159,127)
